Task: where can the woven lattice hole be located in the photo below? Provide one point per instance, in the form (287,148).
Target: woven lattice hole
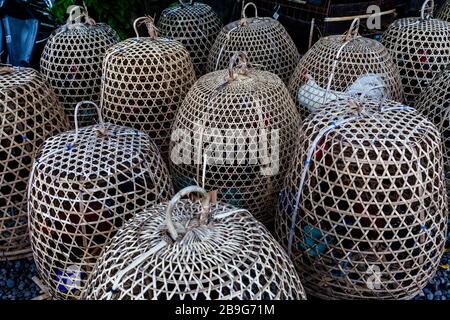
(30,114)
(370,221)
(82,192)
(196,26)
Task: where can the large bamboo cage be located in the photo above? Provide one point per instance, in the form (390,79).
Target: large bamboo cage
(145,82)
(196,26)
(84,185)
(72,62)
(434,103)
(344,65)
(444,12)
(364,211)
(235,133)
(421,49)
(29,114)
(192,250)
(263,39)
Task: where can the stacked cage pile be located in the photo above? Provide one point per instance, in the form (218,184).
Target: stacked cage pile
(421,49)
(145,82)
(264,40)
(364,210)
(196,26)
(344,65)
(30,113)
(84,185)
(72,61)
(235,133)
(191,250)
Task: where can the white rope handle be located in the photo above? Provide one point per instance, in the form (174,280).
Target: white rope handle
(149,22)
(353,32)
(244,9)
(77,108)
(187,2)
(186,191)
(428,5)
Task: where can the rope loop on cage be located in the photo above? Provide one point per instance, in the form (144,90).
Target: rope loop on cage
(353,32)
(427,10)
(100,117)
(238,65)
(204,215)
(244,17)
(149,23)
(186,3)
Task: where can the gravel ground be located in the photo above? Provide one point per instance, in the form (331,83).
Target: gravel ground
(16,281)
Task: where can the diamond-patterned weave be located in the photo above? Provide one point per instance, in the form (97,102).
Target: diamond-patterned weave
(84,187)
(364,210)
(434,103)
(30,113)
(421,49)
(230,257)
(145,82)
(196,26)
(263,39)
(254,108)
(72,64)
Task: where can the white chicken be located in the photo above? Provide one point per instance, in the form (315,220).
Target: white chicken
(312,96)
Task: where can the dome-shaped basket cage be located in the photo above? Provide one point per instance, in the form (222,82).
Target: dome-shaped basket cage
(145,82)
(84,185)
(421,49)
(364,211)
(342,65)
(264,40)
(191,250)
(434,103)
(196,26)
(72,62)
(444,12)
(239,126)
(30,113)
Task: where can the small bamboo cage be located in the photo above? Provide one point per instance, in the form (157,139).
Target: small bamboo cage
(84,185)
(342,65)
(191,250)
(421,49)
(145,82)
(434,103)
(196,26)
(364,211)
(235,133)
(264,40)
(29,114)
(72,62)
(444,12)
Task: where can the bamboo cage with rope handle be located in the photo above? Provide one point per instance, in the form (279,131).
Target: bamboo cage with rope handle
(195,25)
(84,185)
(194,250)
(145,80)
(30,113)
(363,214)
(263,39)
(240,126)
(421,49)
(72,61)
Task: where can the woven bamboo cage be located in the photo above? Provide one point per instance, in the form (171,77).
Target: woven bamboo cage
(444,12)
(29,114)
(434,103)
(421,49)
(84,185)
(363,214)
(72,62)
(245,123)
(192,250)
(342,65)
(145,82)
(264,40)
(196,26)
